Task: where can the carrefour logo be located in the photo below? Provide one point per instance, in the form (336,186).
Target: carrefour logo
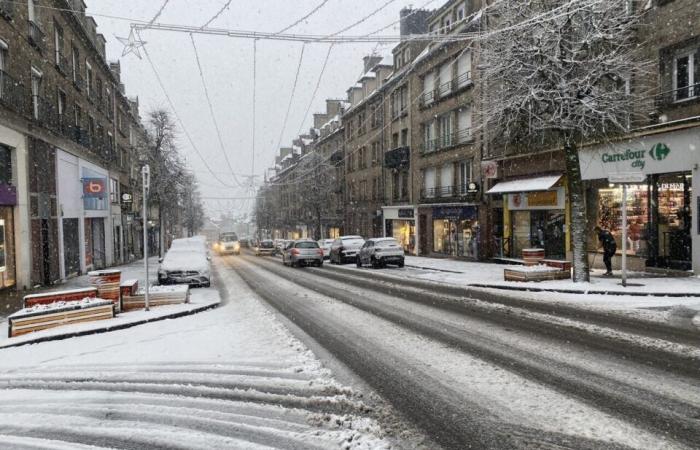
(659,152)
(637,158)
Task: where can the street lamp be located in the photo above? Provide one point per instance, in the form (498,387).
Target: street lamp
(146,178)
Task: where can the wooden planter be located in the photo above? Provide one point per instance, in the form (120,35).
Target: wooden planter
(533,256)
(107,284)
(558,263)
(516,274)
(58,296)
(23,321)
(157,296)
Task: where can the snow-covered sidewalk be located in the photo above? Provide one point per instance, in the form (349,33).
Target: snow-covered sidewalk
(646,291)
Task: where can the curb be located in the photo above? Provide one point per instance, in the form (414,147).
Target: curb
(431,268)
(594,292)
(107,329)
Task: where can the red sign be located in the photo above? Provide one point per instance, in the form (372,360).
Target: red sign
(94,187)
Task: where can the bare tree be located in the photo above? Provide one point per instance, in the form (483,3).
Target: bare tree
(315,190)
(557,73)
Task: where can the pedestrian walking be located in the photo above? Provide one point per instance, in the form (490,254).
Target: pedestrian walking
(606,239)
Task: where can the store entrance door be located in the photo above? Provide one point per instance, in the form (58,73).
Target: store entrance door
(673,220)
(71,247)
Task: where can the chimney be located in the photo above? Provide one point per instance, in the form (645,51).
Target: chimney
(333,107)
(116,69)
(320,120)
(414,21)
(371,61)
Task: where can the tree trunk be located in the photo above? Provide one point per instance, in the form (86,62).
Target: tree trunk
(579,218)
(161,234)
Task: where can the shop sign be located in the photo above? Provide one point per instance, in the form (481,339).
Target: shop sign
(660,153)
(406,213)
(454,212)
(489,169)
(537,200)
(127,198)
(472,188)
(8,195)
(94,187)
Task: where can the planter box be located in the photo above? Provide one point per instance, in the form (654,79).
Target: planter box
(37,318)
(48,298)
(533,256)
(157,296)
(516,274)
(128,288)
(107,284)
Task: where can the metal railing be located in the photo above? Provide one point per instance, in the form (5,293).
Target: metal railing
(449,140)
(679,95)
(442,192)
(462,80)
(45,113)
(62,64)
(36,36)
(427,98)
(12,94)
(78,80)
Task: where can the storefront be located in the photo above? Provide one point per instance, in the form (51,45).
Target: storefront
(8,198)
(400,223)
(456,231)
(660,211)
(534,215)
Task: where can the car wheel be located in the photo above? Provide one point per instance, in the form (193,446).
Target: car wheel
(401,263)
(358,262)
(375,263)
(207,284)
(320,264)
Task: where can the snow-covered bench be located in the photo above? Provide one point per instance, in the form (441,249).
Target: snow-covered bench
(43,316)
(560,264)
(157,296)
(48,298)
(535,273)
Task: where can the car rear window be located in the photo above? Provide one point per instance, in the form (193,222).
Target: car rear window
(391,243)
(266,244)
(353,241)
(306,245)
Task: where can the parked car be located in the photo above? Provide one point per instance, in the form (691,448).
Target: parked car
(379,252)
(280,245)
(186,262)
(228,244)
(325,245)
(265,247)
(303,252)
(345,249)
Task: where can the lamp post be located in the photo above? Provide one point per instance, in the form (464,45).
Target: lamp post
(146,178)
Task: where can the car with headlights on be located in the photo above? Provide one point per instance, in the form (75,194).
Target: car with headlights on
(378,252)
(228,244)
(302,252)
(345,249)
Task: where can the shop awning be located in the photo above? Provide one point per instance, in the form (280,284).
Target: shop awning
(525,185)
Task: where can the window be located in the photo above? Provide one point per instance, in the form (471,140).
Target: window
(464,69)
(62,110)
(395,140)
(429,136)
(3,61)
(76,64)
(113,190)
(445,122)
(687,75)
(465,175)
(460,13)
(446,24)
(58,44)
(428,88)
(446,179)
(31,11)
(445,79)
(36,87)
(464,124)
(429,182)
(77,114)
(88,79)
(5,165)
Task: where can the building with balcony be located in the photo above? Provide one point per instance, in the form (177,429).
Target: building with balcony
(65,129)
(446,153)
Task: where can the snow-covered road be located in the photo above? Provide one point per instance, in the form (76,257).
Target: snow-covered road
(233,377)
(444,368)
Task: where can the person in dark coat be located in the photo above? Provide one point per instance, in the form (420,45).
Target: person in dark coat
(607,240)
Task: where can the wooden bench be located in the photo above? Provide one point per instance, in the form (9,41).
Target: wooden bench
(128,287)
(533,256)
(47,298)
(43,316)
(528,274)
(157,296)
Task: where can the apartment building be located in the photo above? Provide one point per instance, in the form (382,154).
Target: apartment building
(445,161)
(66,135)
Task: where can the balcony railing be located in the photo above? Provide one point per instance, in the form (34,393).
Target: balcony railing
(7,9)
(427,98)
(445,192)
(36,36)
(458,137)
(12,95)
(462,81)
(45,113)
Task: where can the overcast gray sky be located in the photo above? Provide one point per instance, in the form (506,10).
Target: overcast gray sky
(228,70)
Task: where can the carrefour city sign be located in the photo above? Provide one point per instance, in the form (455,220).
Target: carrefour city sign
(637,158)
(676,151)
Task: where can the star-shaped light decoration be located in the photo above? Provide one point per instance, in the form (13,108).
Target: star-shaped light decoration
(131,44)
